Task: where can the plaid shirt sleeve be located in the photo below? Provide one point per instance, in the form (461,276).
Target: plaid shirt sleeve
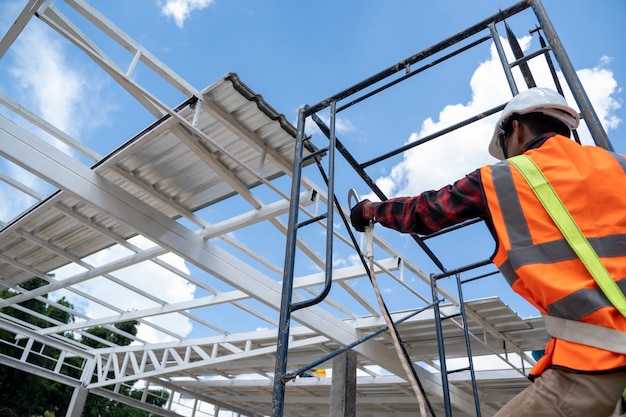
(432,211)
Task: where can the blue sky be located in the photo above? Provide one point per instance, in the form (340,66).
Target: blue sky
(297,53)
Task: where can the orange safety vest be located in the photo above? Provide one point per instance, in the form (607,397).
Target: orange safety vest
(537,261)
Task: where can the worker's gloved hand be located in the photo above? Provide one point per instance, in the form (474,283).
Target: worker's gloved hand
(358,217)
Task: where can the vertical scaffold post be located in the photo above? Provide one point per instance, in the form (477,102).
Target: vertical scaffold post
(445,382)
(468,344)
(502,55)
(442,350)
(569,72)
(282,343)
(287,307)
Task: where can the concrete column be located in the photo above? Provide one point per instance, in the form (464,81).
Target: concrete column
(343,386)
(79,398)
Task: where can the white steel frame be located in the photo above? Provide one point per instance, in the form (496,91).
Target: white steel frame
(111,202)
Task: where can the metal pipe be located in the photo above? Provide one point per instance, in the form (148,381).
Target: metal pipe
(354,164)
(414,72)
(406,63)
(519,56)
(503,60)
(465,281)
(441,348)
(468,345)
(282,342)
(462,269)
(453,228)
(569,72)
(528,57)
(291,375)
(555,77)
(432,136)
(328,266)
(312,220)
(345,153)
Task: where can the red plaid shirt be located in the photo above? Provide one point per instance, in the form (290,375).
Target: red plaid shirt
(433,210)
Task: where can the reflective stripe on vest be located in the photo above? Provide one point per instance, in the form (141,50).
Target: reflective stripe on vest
(523,252)
(538,262)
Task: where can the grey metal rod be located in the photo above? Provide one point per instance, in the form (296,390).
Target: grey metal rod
(441,348)
(282,342)
(468,345)
(403,65)
(290,375)
(569,72)
(328,270)
(505,63)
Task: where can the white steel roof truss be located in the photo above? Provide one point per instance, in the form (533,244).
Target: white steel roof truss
(220,298)
(82,276)
(122,283)
(234,182)
(149,189)
(22,20)
(49,128)
(231,297)
(177,390)
(66,285)
(215,292)
(154,362)
(132,46)
(53,342)
(62,25)
(88,322)
(26,149)
(21,186)
(139,93)
(503,357)
(266,212)
(117,281)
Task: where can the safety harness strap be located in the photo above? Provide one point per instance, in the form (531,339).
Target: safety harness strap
(579,243)
(586,334)
(572,233)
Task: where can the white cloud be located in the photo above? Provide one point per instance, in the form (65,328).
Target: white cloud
(54,86)
(44,79)
(10,10)
(434,164)
(601,87)
(180,10)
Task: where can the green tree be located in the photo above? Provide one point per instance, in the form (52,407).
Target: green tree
(23,394)
(98,406)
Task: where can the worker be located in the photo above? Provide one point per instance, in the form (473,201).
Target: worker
(570,379)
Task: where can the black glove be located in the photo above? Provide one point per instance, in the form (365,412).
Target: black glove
(356,216)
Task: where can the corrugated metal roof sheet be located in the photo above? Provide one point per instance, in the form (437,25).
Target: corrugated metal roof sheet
(158,167)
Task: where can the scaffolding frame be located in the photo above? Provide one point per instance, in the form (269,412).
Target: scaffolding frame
(358,93)
(75,222)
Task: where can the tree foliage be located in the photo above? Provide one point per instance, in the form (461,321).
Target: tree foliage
(23,394)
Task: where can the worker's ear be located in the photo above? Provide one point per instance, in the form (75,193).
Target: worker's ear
(519,133)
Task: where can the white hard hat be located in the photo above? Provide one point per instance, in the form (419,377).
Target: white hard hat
(534,100)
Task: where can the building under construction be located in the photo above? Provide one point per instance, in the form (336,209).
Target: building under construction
(175,200)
